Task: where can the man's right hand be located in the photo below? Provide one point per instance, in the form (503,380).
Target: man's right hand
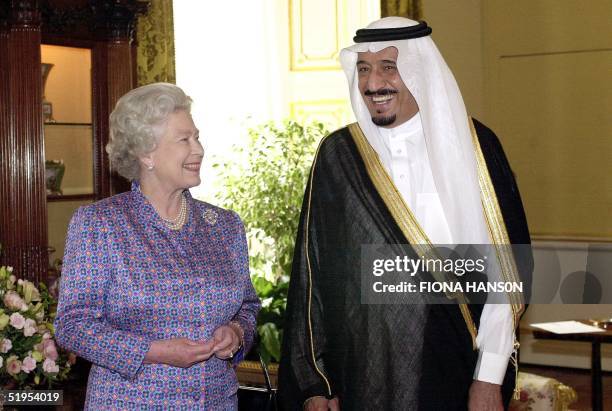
(179,352)
(322,404)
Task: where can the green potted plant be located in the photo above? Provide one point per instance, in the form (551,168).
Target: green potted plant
(266,189)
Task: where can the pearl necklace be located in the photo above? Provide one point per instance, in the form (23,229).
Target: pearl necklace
(178,222)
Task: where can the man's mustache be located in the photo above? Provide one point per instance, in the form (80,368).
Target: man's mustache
(381,92)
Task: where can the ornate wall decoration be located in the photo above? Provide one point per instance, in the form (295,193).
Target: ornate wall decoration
(155,53)
(403,8)
(316,38)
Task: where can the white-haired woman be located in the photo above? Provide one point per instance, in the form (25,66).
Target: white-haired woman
(155,287)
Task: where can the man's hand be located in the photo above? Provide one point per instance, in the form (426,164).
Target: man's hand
(179,352)
(322,404)
(485,396)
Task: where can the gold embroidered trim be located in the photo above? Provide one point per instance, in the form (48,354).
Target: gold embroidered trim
(501,240)
(497,228)
(419,241)
(306,236)
(403,216)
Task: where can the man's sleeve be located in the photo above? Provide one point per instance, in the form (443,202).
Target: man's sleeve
(302,371)
(495,343)
(496,333)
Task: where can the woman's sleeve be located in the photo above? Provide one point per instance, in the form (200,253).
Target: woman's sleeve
(247,314)
(86,278)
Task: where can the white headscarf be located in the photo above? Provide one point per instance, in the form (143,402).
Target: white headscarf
(445,126)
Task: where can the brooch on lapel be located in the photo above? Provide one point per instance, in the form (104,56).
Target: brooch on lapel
(210,216)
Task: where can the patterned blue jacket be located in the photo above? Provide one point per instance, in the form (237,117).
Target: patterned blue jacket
(128,280)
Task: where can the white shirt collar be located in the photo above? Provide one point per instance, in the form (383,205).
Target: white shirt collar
(410,132)
(411,126)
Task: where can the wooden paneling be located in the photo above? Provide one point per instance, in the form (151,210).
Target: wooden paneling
(548,97)
(107,27)
(558,135)
(119,83)
(532,27)
(6,173)
(101,111)
(5,126)
(23,235)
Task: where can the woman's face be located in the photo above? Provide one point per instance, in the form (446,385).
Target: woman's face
(178,155)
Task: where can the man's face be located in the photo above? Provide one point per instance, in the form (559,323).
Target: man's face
(389,101)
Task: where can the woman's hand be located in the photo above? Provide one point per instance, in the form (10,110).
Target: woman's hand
(179,352)
(227,342)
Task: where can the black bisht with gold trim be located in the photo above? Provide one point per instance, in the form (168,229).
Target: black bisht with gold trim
(376,357)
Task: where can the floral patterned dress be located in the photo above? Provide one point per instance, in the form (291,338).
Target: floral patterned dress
(128,280)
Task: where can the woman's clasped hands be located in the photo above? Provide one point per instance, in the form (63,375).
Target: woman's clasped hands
(183,352)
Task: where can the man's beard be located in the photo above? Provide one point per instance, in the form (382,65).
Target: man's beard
(384,121)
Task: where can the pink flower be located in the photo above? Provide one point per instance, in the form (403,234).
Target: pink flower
(49,349)
(29,364)
(13,365)
(29,329)
(17,321)
(13,301)
(49,366)
(6,345)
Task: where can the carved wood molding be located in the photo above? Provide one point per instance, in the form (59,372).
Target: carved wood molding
(24,13)
(72,20)
(101,111)
(104,20)
(5,126)
(4,12)
(117,18)
(119,83)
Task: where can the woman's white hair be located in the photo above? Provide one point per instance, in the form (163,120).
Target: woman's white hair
(138,121)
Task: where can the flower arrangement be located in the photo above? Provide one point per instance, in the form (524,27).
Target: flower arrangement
(28,354)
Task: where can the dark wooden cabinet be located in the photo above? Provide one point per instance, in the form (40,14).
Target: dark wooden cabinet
(106,27)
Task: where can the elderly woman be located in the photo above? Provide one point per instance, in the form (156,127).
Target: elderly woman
(155,287)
